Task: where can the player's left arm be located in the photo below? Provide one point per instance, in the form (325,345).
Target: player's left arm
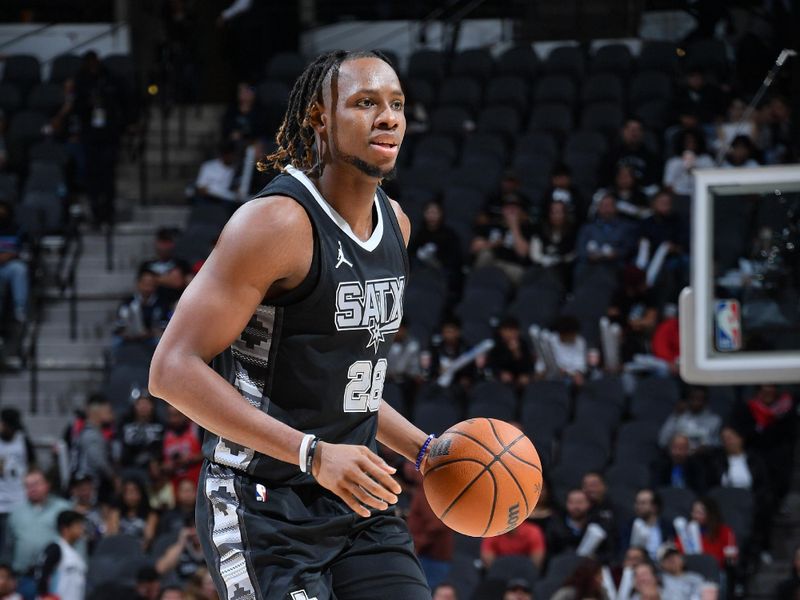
(394,430)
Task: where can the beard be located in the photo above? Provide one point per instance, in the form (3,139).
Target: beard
(368,169)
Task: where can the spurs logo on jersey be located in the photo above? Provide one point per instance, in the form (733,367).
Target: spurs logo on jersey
(375,305)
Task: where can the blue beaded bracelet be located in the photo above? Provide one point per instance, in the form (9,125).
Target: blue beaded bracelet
(422,451)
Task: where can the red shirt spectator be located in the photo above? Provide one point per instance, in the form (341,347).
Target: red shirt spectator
(666,341)
(716,538)
(182,448)
(432,538)
(525,540)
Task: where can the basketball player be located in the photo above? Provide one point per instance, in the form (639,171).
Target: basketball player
(296,308)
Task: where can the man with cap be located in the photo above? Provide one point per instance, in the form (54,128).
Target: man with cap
(676,582)
(518,589)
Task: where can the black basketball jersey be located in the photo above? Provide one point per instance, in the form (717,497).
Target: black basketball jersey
(318,362)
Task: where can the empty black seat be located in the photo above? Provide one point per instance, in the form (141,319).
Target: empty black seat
(23,70)
(615,58)
(285,67)
(566,60)
(10,98)
(605,117)
(602,87)
(551,118)
(460,91)
(586,142)
(499,120)
(676,502)
(485,144)
(520,61)
(64,66)
(658,56)
(46,98)
(434,150)
(649,85)
(426,64)
(556,88)
(538,143)
(420,90)
(476,63)
(709,56)
(451,120)
(635,476)
(49,150)
(507,90)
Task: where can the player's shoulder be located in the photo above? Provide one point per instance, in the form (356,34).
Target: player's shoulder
(402,218)
(271,219)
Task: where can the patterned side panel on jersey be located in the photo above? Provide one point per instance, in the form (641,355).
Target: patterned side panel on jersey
(251,361)
(226,534)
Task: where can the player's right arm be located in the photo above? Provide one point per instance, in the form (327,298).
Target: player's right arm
(265,249)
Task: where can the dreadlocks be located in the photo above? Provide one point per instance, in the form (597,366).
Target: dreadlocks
(295,136)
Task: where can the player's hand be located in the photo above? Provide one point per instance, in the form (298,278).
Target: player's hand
(357,475)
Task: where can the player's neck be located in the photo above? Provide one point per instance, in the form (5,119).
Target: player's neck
(351,194)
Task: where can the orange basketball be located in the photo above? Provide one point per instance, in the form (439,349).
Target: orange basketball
(483,478)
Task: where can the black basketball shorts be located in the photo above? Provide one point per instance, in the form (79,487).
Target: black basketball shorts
(300,543)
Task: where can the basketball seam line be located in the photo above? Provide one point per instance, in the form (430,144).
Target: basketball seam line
(514,477)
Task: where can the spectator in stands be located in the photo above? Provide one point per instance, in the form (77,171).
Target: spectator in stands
(552,245)
(244,119)
(646,584)
(32,525)
(504,243)
(716,538)
(693,419)
(790,587)
(148,583)
(563,191)
(8,583)
(663,228)
(438,246)
(604,241)
(676,581)
(172,592)
(544,513)
(182,558)
(201,586)
(131,514)
(585,582)
(689,154)
(216,179)
(174,519)
(142,317)
(446,346)
(518,589)
(444,591)
(14,282)
(701,97)
(622,575)
(101,106)
(626,189)
(61,572)
(567,532)
(767,420)
(733,126)
(171,271)
(142,435)
(569,350)
(526,540)
(182,451)
(83,495)
(3,144)
(17,455)
(666,341)
(742,153)
(92,452)
(777,138)
(404,368)
(433,540)
(631,150)
(677,467)
(647,528)
(510,361)
(162,493)
(635,307)
(66,128)
(594,486)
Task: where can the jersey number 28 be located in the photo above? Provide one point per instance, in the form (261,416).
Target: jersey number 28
(365,389)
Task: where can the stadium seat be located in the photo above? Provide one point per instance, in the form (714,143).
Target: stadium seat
(635,476)
(50,151)
(121,380)
(605,117)
(461,91)
(676,502)
(485,143)
(736,506)
(436,417)
(607,389)
(23,70)
(477,304)
(519,61)
(462,204)
(420,90)
(648,86)
(46,98)
(63,67)
(9,187)
(450,120)
(533,169)
(476,63)
(653,114)
(589,302)
(630,452)
(538,143)
(468,575)
(435,150)
(513,567)
(658,56)
(132,353)
(559,89)
(24,129)
(639,433)
(508,91)
(654,398)
(536,306)
(40,213)
(566,60)
(209,213)
(602,87)
(604,415)
(614,58)
(393,396)
(499,120)
(45,177)
(116,558)
(586,432)
(559,569)
(488,278)
(551,118)
(427,64)
(485,177)
(709,56)
(285,67)
(722,400)
(496,399)
(590,456)
(704,565)
(10,99)
(622,498)
(586,142)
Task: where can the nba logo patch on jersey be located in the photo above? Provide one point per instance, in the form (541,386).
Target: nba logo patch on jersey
(728,325)
(261,493)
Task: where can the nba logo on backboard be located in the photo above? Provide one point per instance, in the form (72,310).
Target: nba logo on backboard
(728,321)
(261,493)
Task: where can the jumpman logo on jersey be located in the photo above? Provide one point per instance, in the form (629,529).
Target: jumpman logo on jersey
(301,595)
(341,260)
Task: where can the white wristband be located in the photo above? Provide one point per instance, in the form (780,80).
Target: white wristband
(304,450)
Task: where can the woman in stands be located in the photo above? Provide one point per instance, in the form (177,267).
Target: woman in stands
(132,515)
(717,539)
(553,245)
(585,583)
